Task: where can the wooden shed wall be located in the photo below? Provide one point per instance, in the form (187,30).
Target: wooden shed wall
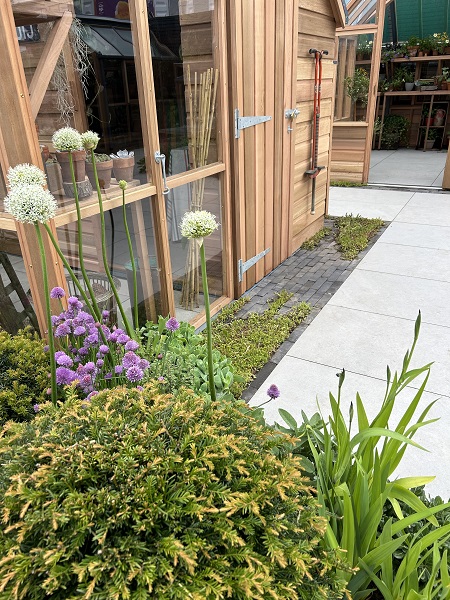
(316,29)
(349,142)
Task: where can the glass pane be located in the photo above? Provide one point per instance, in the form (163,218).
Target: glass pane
(107,103)
(353,77)
(16,308)
(140,223)
(186,80)
(199,195)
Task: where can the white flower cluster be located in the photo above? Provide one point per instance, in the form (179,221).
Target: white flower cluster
(24,174)
(90,140)
(30,203)
(67,139)
(198,224)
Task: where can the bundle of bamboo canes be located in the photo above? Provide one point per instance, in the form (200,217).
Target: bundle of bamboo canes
(202,103)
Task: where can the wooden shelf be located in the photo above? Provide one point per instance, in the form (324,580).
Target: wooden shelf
(428,93)
(421,58)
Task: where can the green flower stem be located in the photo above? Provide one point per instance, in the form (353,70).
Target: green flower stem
(212,387)
(51,343)
(74,279)
(80,242)
(133,265)
(105,258)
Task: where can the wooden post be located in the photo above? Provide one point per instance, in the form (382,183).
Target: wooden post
(446,179)
(21,145)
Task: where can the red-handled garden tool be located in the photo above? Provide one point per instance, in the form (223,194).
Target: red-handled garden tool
(315,169)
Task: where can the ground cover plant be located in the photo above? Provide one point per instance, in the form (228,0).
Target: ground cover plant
(23,375)
(137,495)
(249,342)
(347,184)
(354,234)
(314,241)
(353,475)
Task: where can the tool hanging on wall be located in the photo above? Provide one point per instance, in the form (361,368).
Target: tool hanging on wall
(315,169)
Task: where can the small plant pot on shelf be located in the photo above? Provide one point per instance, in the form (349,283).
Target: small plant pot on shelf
(104,172)
(409,86)
(123,168)
(79,165)
(429,144)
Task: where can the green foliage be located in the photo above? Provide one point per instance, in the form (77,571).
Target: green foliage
(140,495)
(339,183)
(180,358)
(394,131)
(24,368)
(352,475)
(354,234)
(313,241)
(357,87)
(98,158)
(250,342)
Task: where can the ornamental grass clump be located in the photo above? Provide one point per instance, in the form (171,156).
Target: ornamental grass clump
(24,368)
(142,495)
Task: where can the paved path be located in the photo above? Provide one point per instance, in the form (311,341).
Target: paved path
(407,167)
(369,323)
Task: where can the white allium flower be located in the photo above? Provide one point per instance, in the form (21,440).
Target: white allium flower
(30,203)
(90,140)
(67,139)
(198,224)
(25,173)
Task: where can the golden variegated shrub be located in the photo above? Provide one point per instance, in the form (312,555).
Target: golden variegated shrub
(140,495)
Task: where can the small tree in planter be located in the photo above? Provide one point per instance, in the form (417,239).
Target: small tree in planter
(357,87)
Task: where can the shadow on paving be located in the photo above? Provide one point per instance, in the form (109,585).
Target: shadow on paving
(312,276)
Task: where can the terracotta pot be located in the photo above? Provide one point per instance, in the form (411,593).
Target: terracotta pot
(45,153)
(79,164)
(447,50)
(123,168)
(420,53)
(435,53)
(104,172)
(54,179)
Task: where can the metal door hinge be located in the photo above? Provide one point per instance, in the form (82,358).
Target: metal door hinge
(244,122)
(245,266)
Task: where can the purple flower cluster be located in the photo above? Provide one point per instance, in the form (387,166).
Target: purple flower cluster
(94,355)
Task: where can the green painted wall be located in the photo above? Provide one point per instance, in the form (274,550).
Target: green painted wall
(419,17)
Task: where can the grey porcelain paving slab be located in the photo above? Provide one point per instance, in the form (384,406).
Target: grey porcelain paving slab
(395,296)
(425,263)
(365,342)
(408,167)
(414,234)
(305,386)
(427,209)
(379,156)
(384,204)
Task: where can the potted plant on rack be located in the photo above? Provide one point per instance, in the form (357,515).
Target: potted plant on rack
(394,132)
(123,165)
(428,116)
(69,159)
(413,45)
(104,164)
(408,79)
(431,138)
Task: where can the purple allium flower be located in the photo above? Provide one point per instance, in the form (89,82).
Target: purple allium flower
(134,374)
(62,330)
(64,376)
(123,338)
(92,394)
(115,334)
(131,345)
(80,330)
(130,360)
(140,388)
(46,348)
(172,324)
(108,375)
(57,292)
(36,407)
(273,392)
(159,357)
(54,320)
(64,360)
(86,380)
(100,363)
(105,314)
(73,301)
(89,367)
(59,353)
(103,349)
(118,369)
(161,379)
(83,351)
(143,364)
(91,339)
(48,391)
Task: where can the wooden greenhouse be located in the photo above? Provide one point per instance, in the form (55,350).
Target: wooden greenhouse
(179,78)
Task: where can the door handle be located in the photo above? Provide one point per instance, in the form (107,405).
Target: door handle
(161,160)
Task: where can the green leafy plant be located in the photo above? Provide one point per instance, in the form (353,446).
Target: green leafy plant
(433,134)
(250,342)
(179,358)
(352,475)
(339,183)
(99,158)
(354,234)
(143,495)
(394,131)
(357,86)
(313,241)
(24,368)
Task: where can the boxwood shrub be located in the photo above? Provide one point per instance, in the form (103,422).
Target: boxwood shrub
(140,495)
(24,368)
